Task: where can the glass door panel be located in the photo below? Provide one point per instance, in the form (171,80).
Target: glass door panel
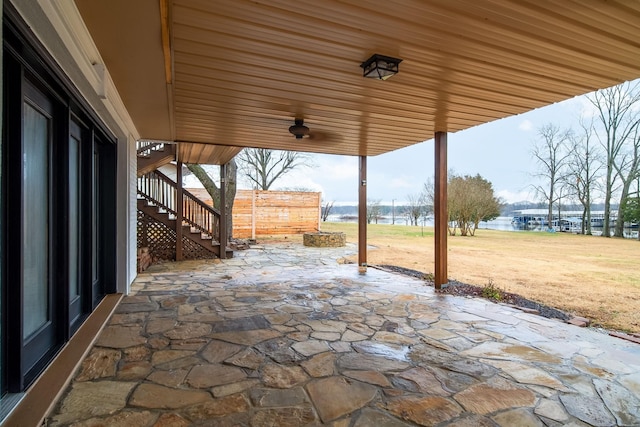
(38,312)
(95,209)
(35,226)
(75,255)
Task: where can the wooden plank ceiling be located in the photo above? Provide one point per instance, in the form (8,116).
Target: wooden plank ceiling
(238,72)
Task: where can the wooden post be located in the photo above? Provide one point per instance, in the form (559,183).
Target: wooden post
(223,211)
(440,211)
(253,214)
(319,211)
(179,211)
(362,216)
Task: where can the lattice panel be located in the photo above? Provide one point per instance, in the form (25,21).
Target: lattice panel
(191,250)
(161,241)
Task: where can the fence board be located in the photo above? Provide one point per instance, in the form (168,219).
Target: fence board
(261,213)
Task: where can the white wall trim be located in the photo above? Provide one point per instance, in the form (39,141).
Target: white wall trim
(67,21)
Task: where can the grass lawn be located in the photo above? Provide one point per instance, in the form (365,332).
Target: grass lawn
(588,276)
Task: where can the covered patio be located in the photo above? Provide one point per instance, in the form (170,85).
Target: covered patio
(279,335)
(226,75)
(283,335)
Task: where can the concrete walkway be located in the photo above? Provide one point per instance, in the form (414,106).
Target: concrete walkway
(285,336)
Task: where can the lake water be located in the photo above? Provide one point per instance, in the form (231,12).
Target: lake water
(502,223)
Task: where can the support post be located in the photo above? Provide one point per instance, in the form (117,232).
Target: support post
(179,211)
(319,211)
(253,214)
(223,211)
(362,216)
(440,211)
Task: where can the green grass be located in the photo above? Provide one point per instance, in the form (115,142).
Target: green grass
(384,230)
(378,230)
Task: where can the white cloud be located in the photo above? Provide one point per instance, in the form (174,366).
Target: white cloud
(526,125)
(337,168)
(297,179)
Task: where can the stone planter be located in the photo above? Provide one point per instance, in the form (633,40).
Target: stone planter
(322,239)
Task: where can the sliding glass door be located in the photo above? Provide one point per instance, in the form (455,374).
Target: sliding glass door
(58,213)
(38,324)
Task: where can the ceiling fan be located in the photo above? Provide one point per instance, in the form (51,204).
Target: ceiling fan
(299,130)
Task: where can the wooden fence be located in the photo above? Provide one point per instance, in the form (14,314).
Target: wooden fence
(262,213)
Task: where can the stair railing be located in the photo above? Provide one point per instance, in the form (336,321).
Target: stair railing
(144,148)
(162,191)
(201,216)
(158,189)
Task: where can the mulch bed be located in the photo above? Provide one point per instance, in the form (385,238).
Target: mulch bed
(463,289)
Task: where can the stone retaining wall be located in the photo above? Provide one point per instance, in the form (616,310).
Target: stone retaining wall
(324,239)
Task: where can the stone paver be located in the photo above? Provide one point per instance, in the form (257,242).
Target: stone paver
(336,396)
(283,335)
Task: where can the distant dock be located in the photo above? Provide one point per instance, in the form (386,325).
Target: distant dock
(566,221)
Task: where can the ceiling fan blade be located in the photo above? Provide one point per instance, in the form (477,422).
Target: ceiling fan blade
(321,136)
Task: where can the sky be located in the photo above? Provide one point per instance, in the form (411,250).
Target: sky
(500,151)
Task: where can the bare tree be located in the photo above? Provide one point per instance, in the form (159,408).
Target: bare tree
(618,114)
(326,210)
(262,167)
(631,209)
(415,207)
(628,169)
(585,166)
(298,189)
(428,191)
(563,191)
(552,154)
(373,211)
(214,191)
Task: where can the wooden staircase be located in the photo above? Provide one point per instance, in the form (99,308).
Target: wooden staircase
(152,155)
(193,234)
(160,199)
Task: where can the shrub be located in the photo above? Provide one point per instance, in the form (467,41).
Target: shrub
(491,291)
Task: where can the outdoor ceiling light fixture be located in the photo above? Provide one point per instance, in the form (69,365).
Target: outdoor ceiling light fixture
(380,67)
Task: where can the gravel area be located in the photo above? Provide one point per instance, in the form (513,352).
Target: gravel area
(463,289)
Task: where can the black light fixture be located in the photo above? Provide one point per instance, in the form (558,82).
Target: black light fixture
(299,130)
(380,67)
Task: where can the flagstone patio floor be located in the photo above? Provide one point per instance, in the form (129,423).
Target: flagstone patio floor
(283,335)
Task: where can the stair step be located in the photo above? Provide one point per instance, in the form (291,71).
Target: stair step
(152,159)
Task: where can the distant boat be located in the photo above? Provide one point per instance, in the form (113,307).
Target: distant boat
(517,220)
(528,221)
(597,222)
(571,225)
